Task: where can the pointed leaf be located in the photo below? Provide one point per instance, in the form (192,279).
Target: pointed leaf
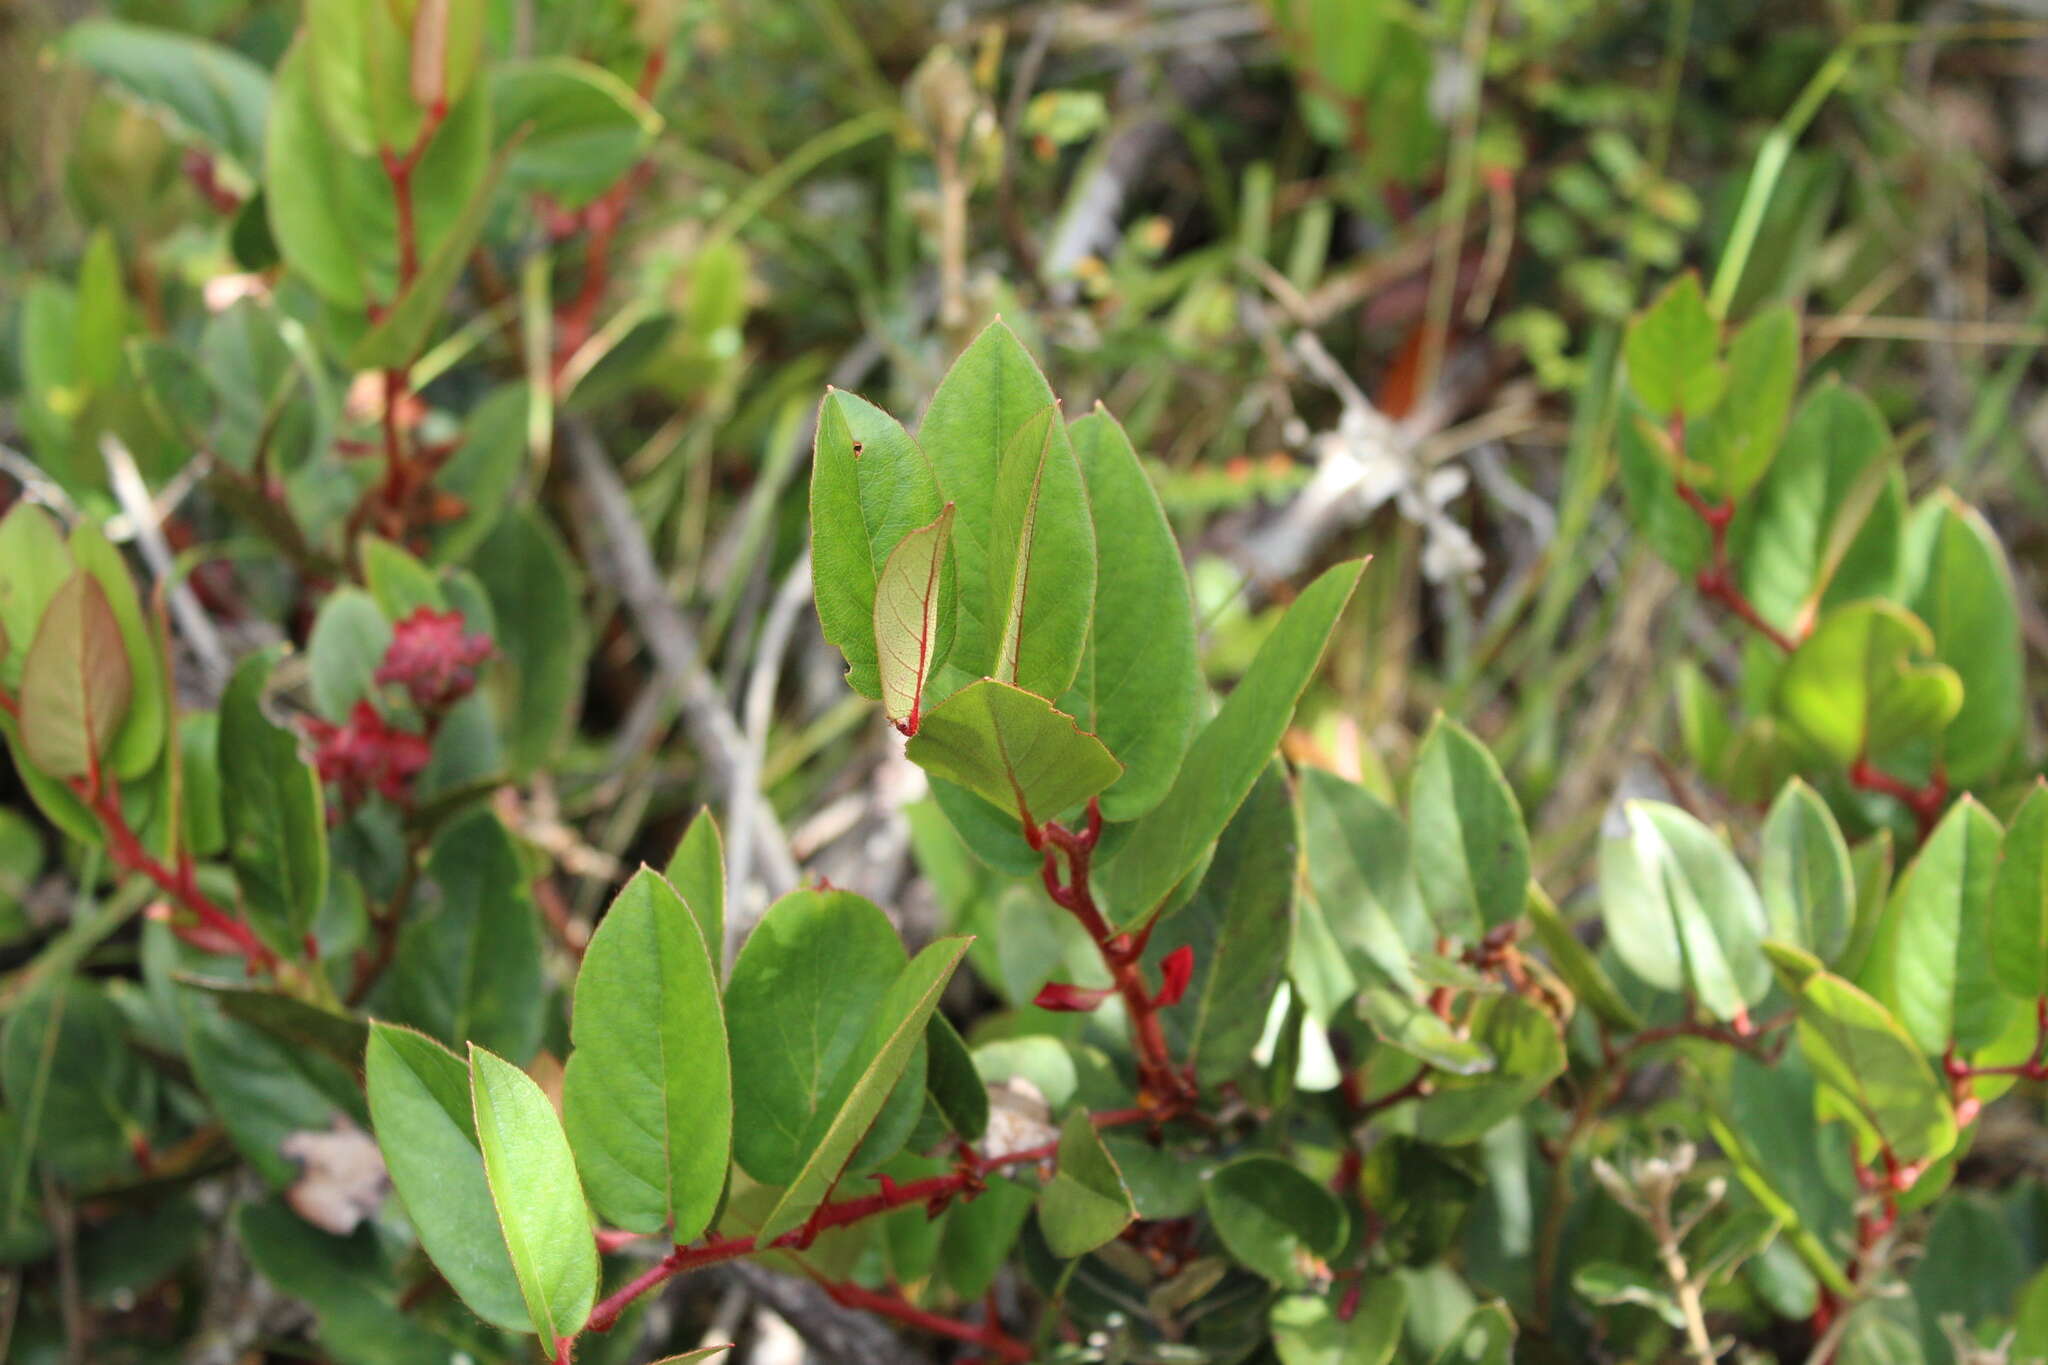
(75,682)
(541,1212)
(1228,754)
(1856,686)
(895,1034)
(1671,349)
(1471,850)
(1086,1203)
(1882,1083)
(1931,964)
(1013,750)
(420,1107)
(1738,439)
(2019,901)
(870,487)
(139,741)
(1042,560)
(914,618)
(1961,585)
(697,871)
(272,808)
(1808,887)
(1682,913)
(647,1098)
(1136,689)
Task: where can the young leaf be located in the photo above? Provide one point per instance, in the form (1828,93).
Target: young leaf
(1471,850)
(420,1107)
(1931,964)
(870,487)
(647,1098)
(34,564)
(893,1036)
(540,1206)
(1086,1203)
(1856,686)
(1876,1074)
(1273,1217)
(139,741)
(1013,750)
(697,871)
(1527,1047)
(272,808)
(803,990)
(1960,584)
(1042,560)
(1308,1329)
(1417,1030)
(75,681)
(2019,901)
(1136,689)
(1671,349)
(914,605)
(1808,888)
(1228,754)
(1738,438)
(1681,912)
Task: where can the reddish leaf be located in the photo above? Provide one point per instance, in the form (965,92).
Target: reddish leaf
(914,617)
(1065,999)
(75,681)
(1177,969)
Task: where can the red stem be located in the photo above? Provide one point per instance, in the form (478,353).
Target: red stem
(573,322)
(934,1192)
(990,1336)
(1924,803)
(398,169)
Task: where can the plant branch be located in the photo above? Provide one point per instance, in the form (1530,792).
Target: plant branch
(989,1336)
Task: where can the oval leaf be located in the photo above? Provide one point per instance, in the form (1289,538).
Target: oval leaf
(1682,913)
(75,681)
(1471,850)
(914,618)
(1086,1203)
(1013,750)
(541,1212)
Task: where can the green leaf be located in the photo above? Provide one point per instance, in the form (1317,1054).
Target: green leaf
(1528,1052)
(1086,1203)
(955,1086)
(483,473)
(402,330)
(1308,1329)
(1931,964)
(399,582)
(1022,539)
(420,1106)
(543,635)
(1823,527)
(1671,350)
(34,564)
(1874,1072)
(870,487)
(469,958)
(70,1075)
(289,1020)
(1739,437)
(1763,1119)
(647,1098)
(1228,754)
(76,682)
(1960,584)
(980,1236)
(1361,873)
(1417,1030)
(2019,901)
(697,871)
(1809,889)
(272,809)
(1238,924)
(350,635)
(802,992)
(1013,750)
(583,126)
(1042,561)
(1471,850)
(893,1036)
(914,605)
(1648,467)
(1856,686)
(1136,689)
(1487,1337)
(1578,965)
(1681,912)
(540,1206)
(1274,1218)
(200,90)
(101,323)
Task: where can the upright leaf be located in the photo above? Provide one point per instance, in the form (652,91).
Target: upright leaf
(914,605)
(1931,964)
(1671,352)
(469,956)
(1013,750)
(1136,689)
(870,487)
(75,681)
(1859,686)
(540,1206)
(1042,560)
(1871,1073)
(34,565)
(1681,912)
(1471,850)
(1086,1203)
(1228,754)
(1808,887)
(1960,584)
(272,808)
(139,741)
(697,871)
(2019,901)
(894,1036)
(542,634)
(425,1124)
(1739,437)
(647,1098)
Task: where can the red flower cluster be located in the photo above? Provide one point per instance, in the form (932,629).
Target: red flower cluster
(433,658)
(366,754)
